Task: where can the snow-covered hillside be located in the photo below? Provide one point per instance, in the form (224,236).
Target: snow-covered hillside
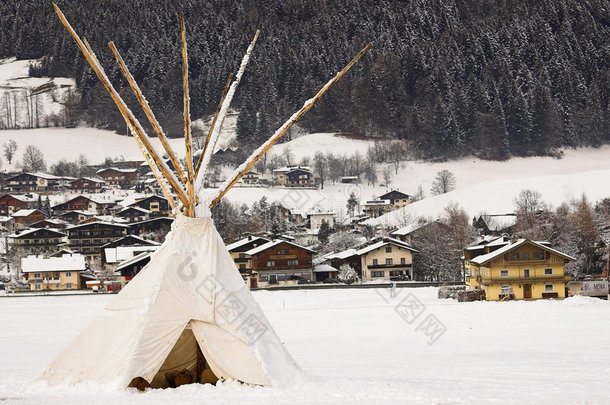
(356,349)
(69,143)
(45,96)
(482,186)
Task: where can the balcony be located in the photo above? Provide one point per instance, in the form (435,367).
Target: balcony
(487,280)
(390,266)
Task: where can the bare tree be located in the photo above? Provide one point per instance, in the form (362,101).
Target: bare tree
(528,204)
(33,160)
(370,172)
(288,156)
(8,150)
(387,176)
(320,167)
(444,182)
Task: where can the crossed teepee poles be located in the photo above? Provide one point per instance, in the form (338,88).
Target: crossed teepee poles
(187,184)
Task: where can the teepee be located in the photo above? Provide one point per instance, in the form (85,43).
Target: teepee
(187,316)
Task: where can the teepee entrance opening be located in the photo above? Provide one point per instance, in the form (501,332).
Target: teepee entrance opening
(185,364)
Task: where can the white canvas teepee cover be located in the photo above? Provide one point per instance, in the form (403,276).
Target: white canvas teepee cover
(190,282)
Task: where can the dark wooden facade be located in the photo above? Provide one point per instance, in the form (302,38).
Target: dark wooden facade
(10,203)
(37,241)
(123,178)
(88,238)
(157,205)
(282,261)
(87,185)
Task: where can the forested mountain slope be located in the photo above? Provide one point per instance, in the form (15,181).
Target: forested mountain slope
(453,77)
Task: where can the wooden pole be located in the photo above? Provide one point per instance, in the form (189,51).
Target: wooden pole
(207,139)
(223,110)
(159,178)
(149,114)
(127,115)
(187,122)
(243,169)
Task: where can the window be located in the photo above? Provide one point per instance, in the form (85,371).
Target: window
(548,287)
(388,249)
(68,274)
(526,272)
(282,251)
(56,275)
(242,255)
(293,262)
(503,273)
(376,274)
(548,272)
(516,256)
(38,286)
(374,262)
(396,273)
(403,261)
(388,262)
(538,255)
(242,266)
(271,263)
(69,285)
(526,255)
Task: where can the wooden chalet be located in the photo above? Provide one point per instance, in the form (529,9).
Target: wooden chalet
(89,238)
(134,214)
(87,185)
(397,199)
(157,205)
(279,261)
(10,203)
(83,203)
(123,178)
(23,218)
(154,228)
(24,182)
(36,241)
(237,249)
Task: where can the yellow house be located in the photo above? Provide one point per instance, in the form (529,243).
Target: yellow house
(53,273)
(387,259)
(521,269)
(238,251)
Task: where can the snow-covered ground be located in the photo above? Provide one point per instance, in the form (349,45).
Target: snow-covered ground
(357,349)
(481,186)
(69,143)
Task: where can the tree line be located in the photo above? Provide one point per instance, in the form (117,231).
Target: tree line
(451,77)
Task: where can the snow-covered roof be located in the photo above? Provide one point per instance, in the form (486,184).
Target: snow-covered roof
(409,228)
(244,241)
(134,259)
(122,253)
(109,218)
(117,169)
(25,197)
(91,179)
(98,222)
(383,242)
(341,255)
(142,210)
(80,212)
(5,219)
(46,176)
(482,259)
(24,212)
(323,268)
(73,262)
(27,232)
(271,244)
(287,169)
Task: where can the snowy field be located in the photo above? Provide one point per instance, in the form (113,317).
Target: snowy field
(356,349)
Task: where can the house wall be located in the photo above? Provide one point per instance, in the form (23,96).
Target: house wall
(381,255)
(67,280)
(511,272)
(278,261)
